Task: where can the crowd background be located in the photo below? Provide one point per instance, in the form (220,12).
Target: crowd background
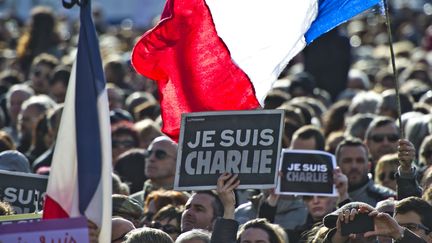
(339,88)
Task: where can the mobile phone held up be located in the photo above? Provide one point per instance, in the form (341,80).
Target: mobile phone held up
(362,223)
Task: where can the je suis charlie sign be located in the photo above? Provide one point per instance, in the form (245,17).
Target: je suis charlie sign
(246,143)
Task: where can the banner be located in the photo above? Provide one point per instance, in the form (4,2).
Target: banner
(71,230)
(24,191)
(306,172)
(20,218)
(246,143)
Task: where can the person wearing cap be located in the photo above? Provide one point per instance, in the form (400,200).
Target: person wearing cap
(12,160)
(352,157)
(384,225)
(127,208)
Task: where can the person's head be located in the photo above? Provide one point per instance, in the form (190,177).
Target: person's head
(332,141)
(119,187)
(427,195)
(115,96)
(425,152)
(58,83)
(124,137)
(137,98)
(319,206)
(159,198)
(130,167)
(334,117)
(385,170)
(382,137)
(352,157)
(161,160)
(202,209)
(168,219)
(358,79)
(41,71)
(6,142)
(15,96)
(147,235)
(364,102)
(127,208)
(388,105)
(416,215)
(357,125)
(147,130)
(308,137)
(260,230)
(120,228)
(31,111)
(194,236)
(293,120)
(13,160)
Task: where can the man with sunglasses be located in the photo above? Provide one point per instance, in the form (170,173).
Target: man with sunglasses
(159,168)
(381,138)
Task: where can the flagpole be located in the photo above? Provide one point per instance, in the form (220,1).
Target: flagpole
(395,75)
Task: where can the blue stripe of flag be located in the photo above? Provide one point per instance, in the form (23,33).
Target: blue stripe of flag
(332,13)
(90,82)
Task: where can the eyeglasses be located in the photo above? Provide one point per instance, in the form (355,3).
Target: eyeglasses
(125,143)
(414,227)
(167,228)
(159,154)
(378,138)
(390,175)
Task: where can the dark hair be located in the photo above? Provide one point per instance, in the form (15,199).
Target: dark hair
(218,208)
(169,212)
(378,121)
(263,224)
(352,142)
(419,206)
(310,131)
(126,128)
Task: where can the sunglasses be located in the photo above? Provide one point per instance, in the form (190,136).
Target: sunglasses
(378,138)
(159,154)
(125,143)
(167,228)
(390,175)
(414,227)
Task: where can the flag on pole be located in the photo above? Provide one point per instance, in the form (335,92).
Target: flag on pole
(225,54)
(80,179)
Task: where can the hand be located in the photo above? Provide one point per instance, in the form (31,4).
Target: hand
(226,184)
(406,154)
(384,225)
(346,216)
(93,232)
(341,182)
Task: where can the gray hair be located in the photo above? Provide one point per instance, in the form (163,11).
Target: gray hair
(365,102)
(147,235)
(195,234)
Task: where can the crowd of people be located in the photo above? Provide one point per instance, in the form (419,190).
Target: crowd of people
(338,96)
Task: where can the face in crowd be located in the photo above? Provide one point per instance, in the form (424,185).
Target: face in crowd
(319,206)
(199,213)
(354,163)
(382,140)
(161,160)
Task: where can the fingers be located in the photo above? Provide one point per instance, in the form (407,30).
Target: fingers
(227,182)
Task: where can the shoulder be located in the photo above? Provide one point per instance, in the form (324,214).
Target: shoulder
(380,192)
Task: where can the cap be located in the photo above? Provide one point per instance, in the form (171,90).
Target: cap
(331,218)
(12,160)
(126,207)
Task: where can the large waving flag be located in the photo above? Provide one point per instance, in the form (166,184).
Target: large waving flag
(225,54)
(80,177)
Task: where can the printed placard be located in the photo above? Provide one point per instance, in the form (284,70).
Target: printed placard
(71,230)
(24,191)
(246,143)
(306,172)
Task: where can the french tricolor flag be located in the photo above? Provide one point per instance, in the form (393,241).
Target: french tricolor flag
(225,54)
(80,177)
